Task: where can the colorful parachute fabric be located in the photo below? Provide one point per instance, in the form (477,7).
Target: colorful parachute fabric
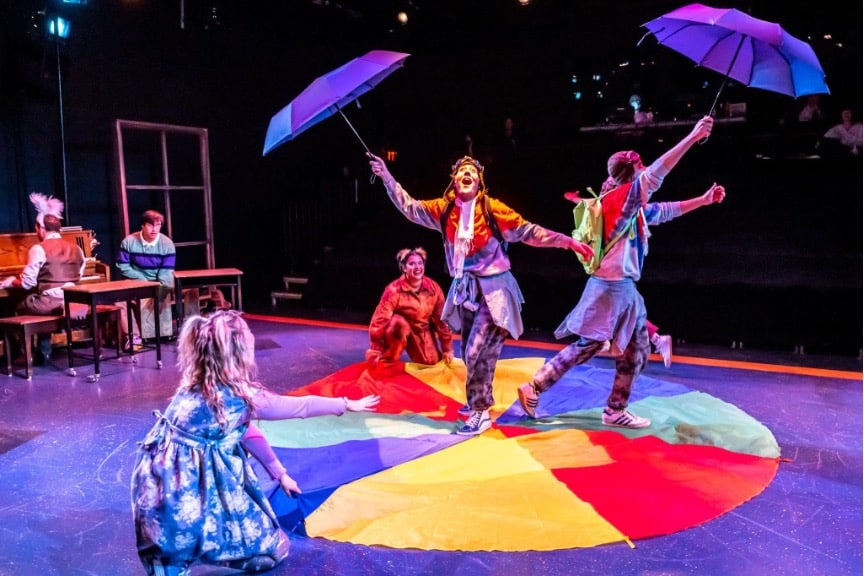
(401,478)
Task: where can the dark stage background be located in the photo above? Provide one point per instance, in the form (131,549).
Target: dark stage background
(778,265)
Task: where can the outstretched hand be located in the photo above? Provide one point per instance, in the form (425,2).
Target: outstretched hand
(584,250)
(715,194)
(573,196)
(365,404)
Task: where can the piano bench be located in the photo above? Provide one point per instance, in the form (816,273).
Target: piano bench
(27,326)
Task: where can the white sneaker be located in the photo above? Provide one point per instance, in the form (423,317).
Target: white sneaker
(624,419)
(663,345)
(477,423)
(133,344)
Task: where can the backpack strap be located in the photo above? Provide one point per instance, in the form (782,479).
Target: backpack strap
(618,236)
(445,214)
(608,246)
(493,223)
(487,215)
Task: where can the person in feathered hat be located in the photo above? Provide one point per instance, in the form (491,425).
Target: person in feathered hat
(484,302)
(51,264)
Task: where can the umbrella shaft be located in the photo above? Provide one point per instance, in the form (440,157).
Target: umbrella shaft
(353,130)
(726,77)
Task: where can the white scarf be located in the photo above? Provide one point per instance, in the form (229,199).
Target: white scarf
(464,234)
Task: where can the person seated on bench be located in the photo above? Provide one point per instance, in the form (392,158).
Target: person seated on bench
(51,264)
(148,255)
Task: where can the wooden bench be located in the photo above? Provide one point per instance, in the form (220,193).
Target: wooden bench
(289,293)
(27,326)
(206,278)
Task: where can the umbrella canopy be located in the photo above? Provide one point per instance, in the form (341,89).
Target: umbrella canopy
(756,53)
(329,93)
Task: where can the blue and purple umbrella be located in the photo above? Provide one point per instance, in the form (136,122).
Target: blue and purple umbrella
(756,53)
(329,93)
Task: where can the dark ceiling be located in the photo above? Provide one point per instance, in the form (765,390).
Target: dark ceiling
(478,48)
(473,62)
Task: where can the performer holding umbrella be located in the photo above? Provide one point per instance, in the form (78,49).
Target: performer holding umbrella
(484,302)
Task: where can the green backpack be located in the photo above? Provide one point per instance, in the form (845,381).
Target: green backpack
(588,228)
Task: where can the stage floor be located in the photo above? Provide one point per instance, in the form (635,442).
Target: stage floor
(67,447)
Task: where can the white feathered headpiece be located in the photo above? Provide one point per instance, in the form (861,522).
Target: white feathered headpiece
(46,205)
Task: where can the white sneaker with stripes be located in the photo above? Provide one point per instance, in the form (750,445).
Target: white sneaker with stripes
(624,419)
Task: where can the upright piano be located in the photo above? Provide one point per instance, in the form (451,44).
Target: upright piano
(15,246)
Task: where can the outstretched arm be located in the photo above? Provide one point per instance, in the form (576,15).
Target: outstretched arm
(652,178)
(270,406)
(515,228)
(423,212)
(671,157)
(714,195)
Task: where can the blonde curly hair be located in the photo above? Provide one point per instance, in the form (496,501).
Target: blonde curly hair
(217,350)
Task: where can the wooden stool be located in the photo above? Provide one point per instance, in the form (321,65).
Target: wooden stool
(28,326)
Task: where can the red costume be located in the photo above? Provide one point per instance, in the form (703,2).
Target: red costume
(409,320)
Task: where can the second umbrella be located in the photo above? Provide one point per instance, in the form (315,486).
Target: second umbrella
(328,94)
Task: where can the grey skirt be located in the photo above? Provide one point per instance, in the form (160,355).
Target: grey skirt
(607,311)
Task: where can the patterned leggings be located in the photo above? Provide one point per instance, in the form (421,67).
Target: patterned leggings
(482,342)
(627,365)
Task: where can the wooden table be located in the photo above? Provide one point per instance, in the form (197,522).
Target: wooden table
(93,295)
(201,278)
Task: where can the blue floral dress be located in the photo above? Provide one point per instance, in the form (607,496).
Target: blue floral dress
(195,498)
